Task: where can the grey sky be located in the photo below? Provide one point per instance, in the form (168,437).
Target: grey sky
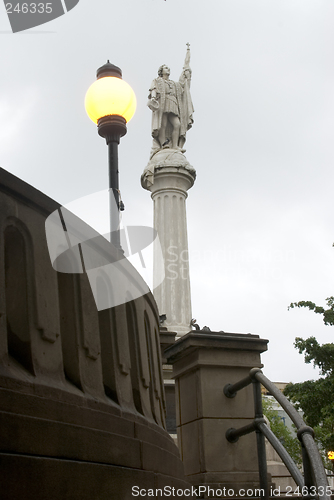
(260,221)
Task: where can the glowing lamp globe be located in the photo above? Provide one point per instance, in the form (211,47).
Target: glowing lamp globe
(109,96)
(331,455)
(110,102)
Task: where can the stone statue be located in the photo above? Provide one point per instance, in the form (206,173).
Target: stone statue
(172,108)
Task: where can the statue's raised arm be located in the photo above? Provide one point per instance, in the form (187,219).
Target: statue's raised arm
(187,110)
(171,106)
(186,72)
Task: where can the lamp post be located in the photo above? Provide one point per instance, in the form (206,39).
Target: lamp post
(110,103)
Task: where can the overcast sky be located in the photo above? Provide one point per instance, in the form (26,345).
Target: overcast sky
(260,215)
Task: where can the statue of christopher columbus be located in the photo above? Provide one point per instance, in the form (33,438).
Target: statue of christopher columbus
(172,108)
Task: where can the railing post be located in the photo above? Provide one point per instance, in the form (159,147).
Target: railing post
(309,481)
(260,440)
(315,481)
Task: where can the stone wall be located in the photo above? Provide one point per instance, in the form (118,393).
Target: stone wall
(82,410)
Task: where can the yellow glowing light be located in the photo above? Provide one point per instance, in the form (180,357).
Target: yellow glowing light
(110,96)
(330,455)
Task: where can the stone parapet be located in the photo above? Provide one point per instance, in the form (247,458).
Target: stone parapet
(82,407)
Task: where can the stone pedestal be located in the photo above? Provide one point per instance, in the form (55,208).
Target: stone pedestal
(203,363)
(168,177)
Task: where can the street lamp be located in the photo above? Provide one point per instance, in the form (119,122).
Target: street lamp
(330,456)
(110,103)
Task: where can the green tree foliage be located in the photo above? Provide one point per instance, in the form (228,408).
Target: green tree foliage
(316,397)
(281,431)
(327,314)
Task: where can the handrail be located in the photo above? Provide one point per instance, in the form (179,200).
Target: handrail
(290,464)
(304,433)
(314,472)
(282,400)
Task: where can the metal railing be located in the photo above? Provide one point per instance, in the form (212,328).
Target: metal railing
(314,483)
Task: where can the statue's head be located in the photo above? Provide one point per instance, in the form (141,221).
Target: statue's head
(163,70)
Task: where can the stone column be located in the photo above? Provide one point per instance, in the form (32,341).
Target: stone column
(169,176)
(203,363)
